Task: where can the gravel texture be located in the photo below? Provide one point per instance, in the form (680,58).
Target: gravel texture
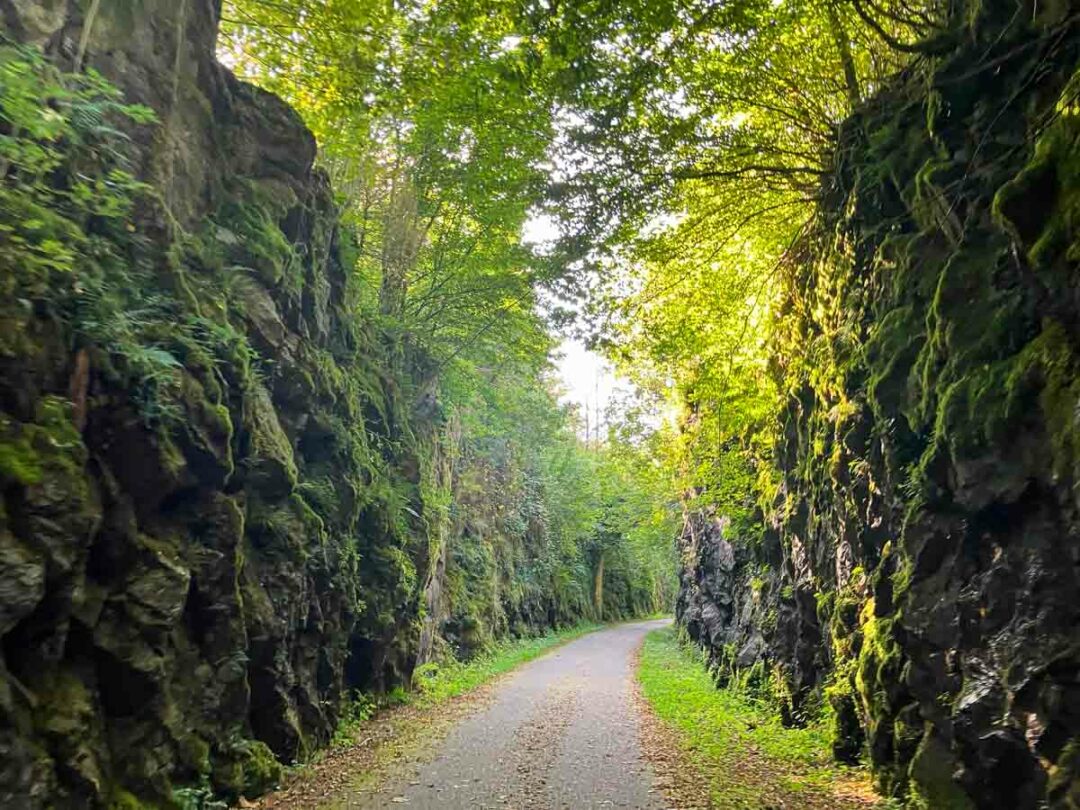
(561,732)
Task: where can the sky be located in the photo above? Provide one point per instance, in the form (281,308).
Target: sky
(588,380)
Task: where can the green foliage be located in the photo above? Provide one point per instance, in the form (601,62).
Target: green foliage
(66,221)
(353,713)
(197,797)
(67,189)
(432,124)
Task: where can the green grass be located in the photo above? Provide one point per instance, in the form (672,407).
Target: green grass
(736,740)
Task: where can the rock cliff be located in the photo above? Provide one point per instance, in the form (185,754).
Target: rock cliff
(198,443)
(919,570)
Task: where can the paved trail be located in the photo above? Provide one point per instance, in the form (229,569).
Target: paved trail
(561,732)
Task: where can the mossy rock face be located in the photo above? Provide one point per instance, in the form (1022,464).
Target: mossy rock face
(244,768)
(1064,788)
(121,799)
(49,460)
(146,464)
(932,777)
(72,722)
(271,469)
(205,433)
(250,234)
(967,370)
(181,501)
(22,580)
(929,450)
(270,334)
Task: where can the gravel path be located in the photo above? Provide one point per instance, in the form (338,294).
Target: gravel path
(561,732)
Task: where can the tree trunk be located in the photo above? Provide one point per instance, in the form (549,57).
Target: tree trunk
(401,244)
(445,451)
(843,48)
(598,588)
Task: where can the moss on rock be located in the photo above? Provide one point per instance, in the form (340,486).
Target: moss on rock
(244,768)
(930,440)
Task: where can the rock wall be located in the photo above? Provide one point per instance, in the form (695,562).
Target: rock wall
(920,569)
(200,447)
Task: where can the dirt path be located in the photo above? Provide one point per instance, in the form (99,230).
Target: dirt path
(561,732)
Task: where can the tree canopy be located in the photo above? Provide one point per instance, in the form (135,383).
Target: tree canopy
(678,146)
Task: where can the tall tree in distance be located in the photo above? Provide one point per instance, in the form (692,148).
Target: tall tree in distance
(433,122)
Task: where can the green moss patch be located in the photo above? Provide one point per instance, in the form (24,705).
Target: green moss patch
(28,451)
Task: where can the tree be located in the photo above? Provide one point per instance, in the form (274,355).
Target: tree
(694,139)
(432,122)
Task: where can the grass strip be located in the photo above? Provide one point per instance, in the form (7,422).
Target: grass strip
(737,742)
